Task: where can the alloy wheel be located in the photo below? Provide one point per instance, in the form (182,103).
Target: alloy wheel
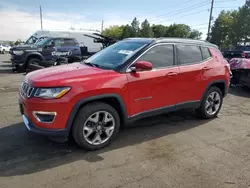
(213,103)
(99,127)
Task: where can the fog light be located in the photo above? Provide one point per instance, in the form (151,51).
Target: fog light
(44,117)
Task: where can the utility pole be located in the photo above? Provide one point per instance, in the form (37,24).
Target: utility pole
(210,19)
(102,26)
(41,17)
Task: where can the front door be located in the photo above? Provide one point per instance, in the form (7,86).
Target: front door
(154,89)
(50,48)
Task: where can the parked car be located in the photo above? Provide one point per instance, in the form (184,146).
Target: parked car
(4,48)
(238,52)
(240,68)
(45,50)
(129,80)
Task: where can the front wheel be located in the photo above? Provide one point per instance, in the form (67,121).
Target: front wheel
(211,103)
(96,125)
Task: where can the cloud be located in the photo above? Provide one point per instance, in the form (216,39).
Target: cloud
(18,24)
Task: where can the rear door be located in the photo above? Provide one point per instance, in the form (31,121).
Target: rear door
(70,47)
(194,68)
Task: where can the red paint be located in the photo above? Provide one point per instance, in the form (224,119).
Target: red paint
(157,88)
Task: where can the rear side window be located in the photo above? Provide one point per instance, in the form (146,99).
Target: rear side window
(188,54)
(160,56)
(205,53)
(68,42)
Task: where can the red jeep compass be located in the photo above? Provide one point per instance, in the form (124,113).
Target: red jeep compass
(131,79)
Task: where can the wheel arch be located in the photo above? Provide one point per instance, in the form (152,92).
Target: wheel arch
(112,99)
(33,55)
(221,84)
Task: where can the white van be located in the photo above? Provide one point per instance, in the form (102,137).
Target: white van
(78,35)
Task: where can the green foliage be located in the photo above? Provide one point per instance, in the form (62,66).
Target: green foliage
(114,32)
(134,30)
(159,30)
(232,28)
(146,30)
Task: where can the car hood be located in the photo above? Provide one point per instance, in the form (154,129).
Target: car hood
(24,47)
(239,63)
(63,75)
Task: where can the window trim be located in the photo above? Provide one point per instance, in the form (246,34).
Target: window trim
(158,68)
(208,52)
(194,63)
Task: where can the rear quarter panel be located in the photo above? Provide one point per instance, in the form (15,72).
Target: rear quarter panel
(220,70)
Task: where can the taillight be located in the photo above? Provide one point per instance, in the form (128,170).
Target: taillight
(243,54)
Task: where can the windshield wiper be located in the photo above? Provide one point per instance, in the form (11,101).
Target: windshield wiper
(91,64)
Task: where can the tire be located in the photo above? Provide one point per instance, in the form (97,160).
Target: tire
(202,111)
(83,121)
(32,61)
(3,51)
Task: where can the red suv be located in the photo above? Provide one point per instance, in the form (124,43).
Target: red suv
(131,79)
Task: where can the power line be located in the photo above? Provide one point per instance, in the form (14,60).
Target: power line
(184,15)
(187,9)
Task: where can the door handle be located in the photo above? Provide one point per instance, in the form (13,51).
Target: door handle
(206,68)
(171,74)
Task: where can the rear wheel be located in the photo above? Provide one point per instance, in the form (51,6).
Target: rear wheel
(96,125)
(211,103)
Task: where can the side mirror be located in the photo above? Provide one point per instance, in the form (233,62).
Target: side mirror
(141,66)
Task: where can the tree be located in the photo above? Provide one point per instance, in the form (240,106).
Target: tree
(195,34)
(127,32)
(178,30)
(114,32)
(159,30)
(221,33)
(135,27)
(146,30)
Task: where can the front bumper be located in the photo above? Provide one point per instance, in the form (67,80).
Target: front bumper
(45,125)
(48,132)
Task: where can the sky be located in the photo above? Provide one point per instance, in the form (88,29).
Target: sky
(21,18)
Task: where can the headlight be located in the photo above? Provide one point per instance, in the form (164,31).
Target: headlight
(51,93)
(17,52)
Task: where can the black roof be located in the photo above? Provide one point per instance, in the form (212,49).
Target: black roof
(174,40)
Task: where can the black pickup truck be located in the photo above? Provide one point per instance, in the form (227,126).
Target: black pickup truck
(238,52)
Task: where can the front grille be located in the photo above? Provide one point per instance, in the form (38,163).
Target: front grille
(26,90)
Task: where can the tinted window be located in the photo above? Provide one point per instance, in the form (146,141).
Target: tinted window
(160,56)
(205,53)
(188,54)
(68,42)
(116,54)
(57,42)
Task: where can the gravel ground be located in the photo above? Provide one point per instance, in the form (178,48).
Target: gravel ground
(174,150)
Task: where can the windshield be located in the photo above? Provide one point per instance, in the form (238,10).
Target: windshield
(31,40)
(41,41)
(114,55)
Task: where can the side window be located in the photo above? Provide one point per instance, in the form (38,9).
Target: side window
(57,42)
(205,53)
(68,42)
(188,54)
(159,56)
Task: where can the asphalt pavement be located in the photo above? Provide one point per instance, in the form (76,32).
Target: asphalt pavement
(171,150)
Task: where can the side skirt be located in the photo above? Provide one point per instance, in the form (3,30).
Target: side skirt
(159,111)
